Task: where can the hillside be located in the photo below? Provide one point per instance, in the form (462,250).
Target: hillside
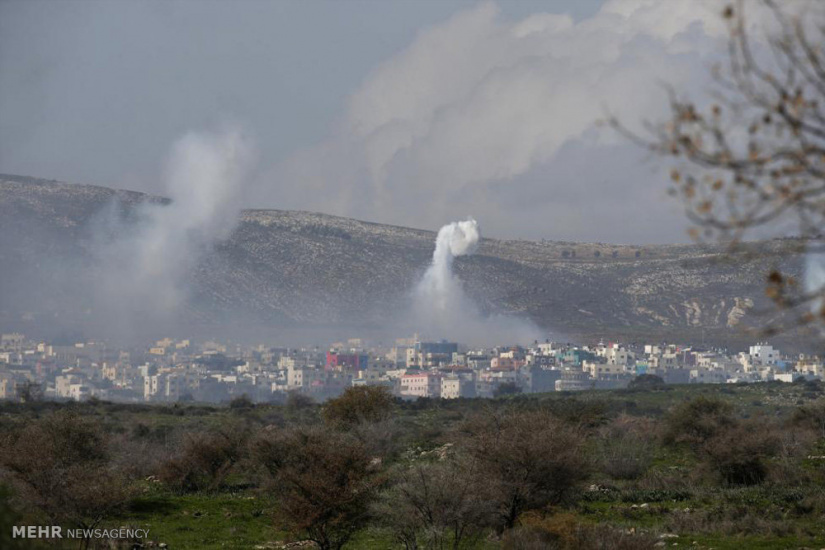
(313,270)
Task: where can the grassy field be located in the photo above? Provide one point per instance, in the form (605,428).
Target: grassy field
(674,502)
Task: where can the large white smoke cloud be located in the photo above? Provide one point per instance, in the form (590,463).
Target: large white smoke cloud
(497,117)
(443,310)
(146,267)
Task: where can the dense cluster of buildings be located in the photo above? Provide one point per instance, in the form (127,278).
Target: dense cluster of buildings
(181,370)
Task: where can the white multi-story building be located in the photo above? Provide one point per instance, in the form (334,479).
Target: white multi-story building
(150,386)
(13,341)
(298,377)
(708,376)
(652,349)
(665,361)
(426,384)
(63,384)
(614,354)
(763,354)
(79,392)
(597,369)
(8,387)
(811,366)
(574,381)
(453,387)
(549,348)
(165,386)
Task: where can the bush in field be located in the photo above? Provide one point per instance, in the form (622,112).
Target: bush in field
(811,417)
(737,452)
(242,402)
(590,413)
(565,532)
(325,482)
(438,504)
(60,467)
(793,445)
(297,402)
(381,439)
(204,460)
(740,454)
(626,447)
(8,519)
(530,459)
(647,382)
(696,421)
(507,388)
(30,392)
(359,404)
(265,451)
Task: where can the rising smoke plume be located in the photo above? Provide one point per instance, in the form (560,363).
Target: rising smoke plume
(146,265)
(814,277)
(439,290)
(443,310)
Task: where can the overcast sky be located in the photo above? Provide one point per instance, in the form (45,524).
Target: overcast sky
(413,113)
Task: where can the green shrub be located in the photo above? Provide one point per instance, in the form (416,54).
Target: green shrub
(531,459)
(626,447)
(740,454)
(359,404)
(204,461)
(60,466)
(811,417)
(698,420)
(325,482)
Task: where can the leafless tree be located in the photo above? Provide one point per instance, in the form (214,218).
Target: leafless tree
(530,459)
(436,504)
(752,162)
(325,482)
(204,459)
(625,447)
(60,466)
(359,404)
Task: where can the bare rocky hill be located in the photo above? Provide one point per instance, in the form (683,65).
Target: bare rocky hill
(306,269)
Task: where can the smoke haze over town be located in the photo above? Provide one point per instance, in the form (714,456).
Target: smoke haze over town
(467,274)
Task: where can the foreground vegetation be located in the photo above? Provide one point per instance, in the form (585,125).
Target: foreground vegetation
(702,466)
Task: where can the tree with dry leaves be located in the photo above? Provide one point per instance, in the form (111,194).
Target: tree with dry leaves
(528,459)
(60,467)
(436,504)
(325,481)
(751,163)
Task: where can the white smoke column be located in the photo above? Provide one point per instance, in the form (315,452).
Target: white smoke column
(204,177)
(814,278)
(147,273)
(442,309)
(439,290)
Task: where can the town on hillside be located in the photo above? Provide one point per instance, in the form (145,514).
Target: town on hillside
(173,370)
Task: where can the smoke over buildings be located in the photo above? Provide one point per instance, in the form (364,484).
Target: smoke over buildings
(441,307)
(144,265)
(439,291)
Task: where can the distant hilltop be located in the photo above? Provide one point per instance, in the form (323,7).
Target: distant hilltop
(315,270)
